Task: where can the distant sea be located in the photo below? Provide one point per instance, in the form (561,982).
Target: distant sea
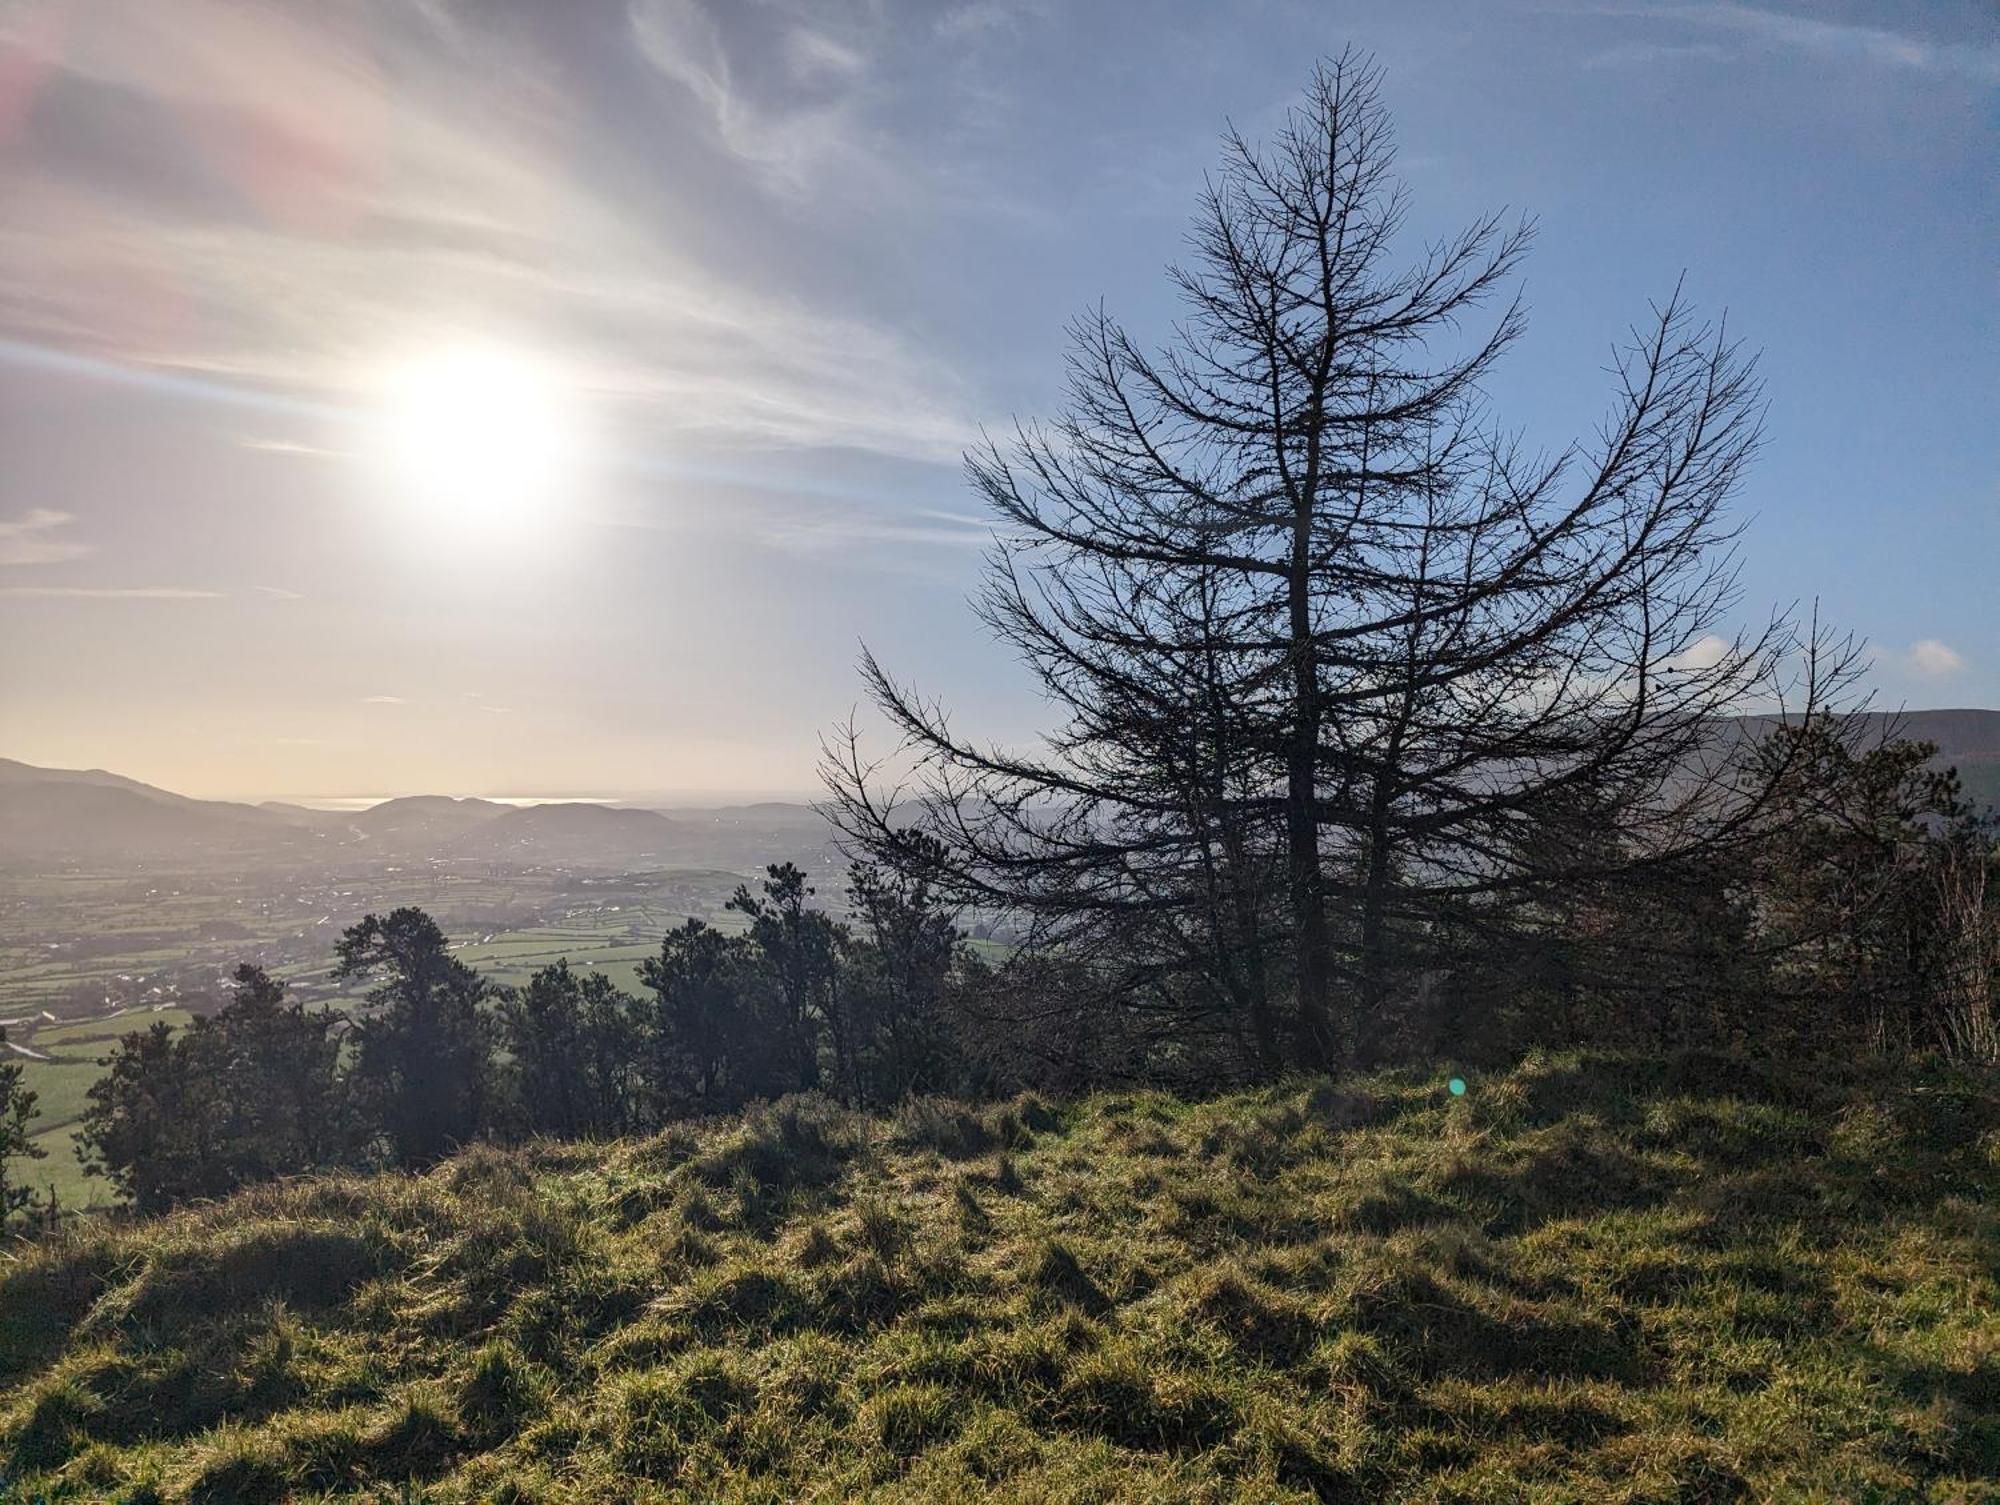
(685,799)
(369,801)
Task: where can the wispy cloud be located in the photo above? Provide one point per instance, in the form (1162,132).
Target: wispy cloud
(814,534)
(383,700)
(277,593)
(326,218)
(1934,659)
(289,447)
(1651,54)
(1751,26)
(106,593)
(979,18)
(33,539)
(785,99)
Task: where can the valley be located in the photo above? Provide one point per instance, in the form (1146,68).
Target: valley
(122,905)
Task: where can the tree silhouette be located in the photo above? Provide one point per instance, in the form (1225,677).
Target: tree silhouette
(1317,629)
(423,1062)
(17,1111)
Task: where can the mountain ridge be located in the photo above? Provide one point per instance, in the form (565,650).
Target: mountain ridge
(70,815)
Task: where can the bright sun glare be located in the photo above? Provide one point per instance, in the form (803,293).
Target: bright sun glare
(478,437)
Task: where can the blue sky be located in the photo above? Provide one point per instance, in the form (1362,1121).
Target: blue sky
(777,263)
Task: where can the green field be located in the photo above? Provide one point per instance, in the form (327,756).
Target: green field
(613,941)
(1592,1278)
(82,944)
(96,1000)
(60,1084)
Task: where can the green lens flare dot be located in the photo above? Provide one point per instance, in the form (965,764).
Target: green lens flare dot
(1457,1086)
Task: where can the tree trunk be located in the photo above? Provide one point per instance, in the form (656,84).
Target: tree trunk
(1318,1042)
(1374,924)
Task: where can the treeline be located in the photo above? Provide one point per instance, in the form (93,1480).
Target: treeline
(870,1008)
(1863,925)
(1864,919)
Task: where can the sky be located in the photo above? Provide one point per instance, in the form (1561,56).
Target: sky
(739,281)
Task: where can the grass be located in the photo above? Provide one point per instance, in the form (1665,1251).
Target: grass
(1592,1278)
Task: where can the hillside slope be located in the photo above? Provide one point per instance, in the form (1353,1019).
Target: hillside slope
(1589,1279)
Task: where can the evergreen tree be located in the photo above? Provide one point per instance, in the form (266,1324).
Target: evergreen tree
(573,1043)
(286,1102)
(710,1031)
(1875,897)
(423,1063)
(801,947)
(897,982)
(251,1092)
(17,1111)
(158,1121)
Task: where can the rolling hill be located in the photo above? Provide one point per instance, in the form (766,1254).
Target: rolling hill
(63,817)
(422,819)
(1968,740)
(572,833)
(79,816)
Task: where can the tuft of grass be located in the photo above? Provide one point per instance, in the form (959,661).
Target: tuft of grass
(907,1419)
(1591,1277)
(1054,1271)
(952,1129)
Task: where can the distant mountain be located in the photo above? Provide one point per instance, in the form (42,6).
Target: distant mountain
(743,838)
(62,816)
(1967,740)
(81,819)
(574,834)
(299,815)
(423,818)
(14,775)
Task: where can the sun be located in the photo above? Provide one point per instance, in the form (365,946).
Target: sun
(478,437)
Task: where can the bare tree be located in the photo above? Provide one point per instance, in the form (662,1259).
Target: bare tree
(1307,612)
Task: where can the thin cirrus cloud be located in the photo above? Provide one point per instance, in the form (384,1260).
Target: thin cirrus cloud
(786,105)
(1734,30)
(407,208)
(106,593)
(39,537)
(811,100)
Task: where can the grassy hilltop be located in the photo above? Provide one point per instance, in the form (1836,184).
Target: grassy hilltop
(1588,1279)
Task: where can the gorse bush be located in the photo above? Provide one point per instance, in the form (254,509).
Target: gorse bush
(1612,1277)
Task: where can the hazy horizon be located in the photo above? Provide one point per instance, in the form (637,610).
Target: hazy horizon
(427,398)
(684,797)
(692,799)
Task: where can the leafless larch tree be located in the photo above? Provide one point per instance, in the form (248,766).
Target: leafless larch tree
(1328,647)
